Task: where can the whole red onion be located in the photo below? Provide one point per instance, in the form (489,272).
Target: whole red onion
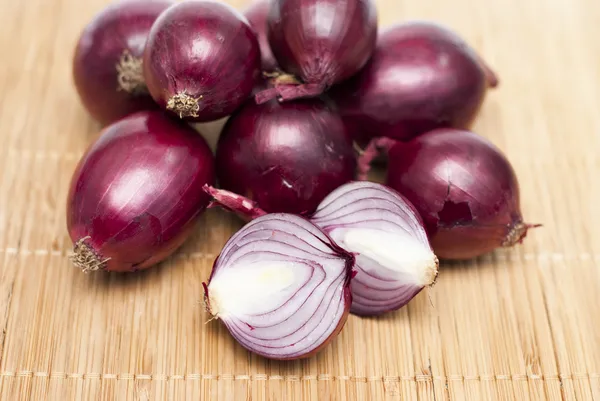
(107,66)
(385,233)
(202,60)
(319,42)
(281,287)
(257,13)
(285,156)
(137,192)
(422,76)
(464,188)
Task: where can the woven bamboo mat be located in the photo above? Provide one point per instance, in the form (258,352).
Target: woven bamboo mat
(515,325)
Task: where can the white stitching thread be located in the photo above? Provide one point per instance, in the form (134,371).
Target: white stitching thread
(294,378)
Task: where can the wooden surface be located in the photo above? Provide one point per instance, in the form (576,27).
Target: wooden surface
(516,325)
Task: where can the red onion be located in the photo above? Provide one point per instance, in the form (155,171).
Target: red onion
(281,287)
(320,42)
(137,192)
(464,188)
(285,156)
(202,60)
(257,14)
(383,230)
(107,67)
(421,76)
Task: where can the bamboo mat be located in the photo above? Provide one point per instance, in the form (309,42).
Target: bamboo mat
(515,325)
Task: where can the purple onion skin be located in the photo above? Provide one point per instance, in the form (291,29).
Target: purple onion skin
(137,191)
(257,13)
(115,35)
(464,188)
(202,60)
(285,156)
(422,76)
(322,42)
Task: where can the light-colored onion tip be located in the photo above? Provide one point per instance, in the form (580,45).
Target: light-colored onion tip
(130,76)
(85,258)
(184,105)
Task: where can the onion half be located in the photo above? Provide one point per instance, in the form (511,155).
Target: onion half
(385,233)
(281,287)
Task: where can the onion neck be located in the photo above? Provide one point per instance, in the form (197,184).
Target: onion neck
(85,258)
(246,208)
(288,87)
(184,105)
(130,75)
(366,156)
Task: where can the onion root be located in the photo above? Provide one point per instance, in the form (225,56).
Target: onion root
(130,75)
(85,258)
(184,105)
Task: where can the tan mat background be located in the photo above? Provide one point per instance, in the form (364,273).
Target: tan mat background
(515,325)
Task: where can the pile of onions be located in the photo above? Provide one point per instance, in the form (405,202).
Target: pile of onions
(320,242)
(318,43)
(463,187)
(285,156)
(422,76)
(202,60)
(281,287)
(107,66)
(137,192)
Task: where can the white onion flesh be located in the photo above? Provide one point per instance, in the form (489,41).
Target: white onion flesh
(394,260)
(281,287)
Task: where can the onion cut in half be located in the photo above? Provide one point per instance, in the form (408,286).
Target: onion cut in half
(281,287)
(394,260)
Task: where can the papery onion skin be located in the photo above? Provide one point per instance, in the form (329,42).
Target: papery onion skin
(422,76)
(375,210)
(107,65)
(285,156)
(257,13)
(202,60)
(293,326)
(137,192)
(464,188)
(321,42)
